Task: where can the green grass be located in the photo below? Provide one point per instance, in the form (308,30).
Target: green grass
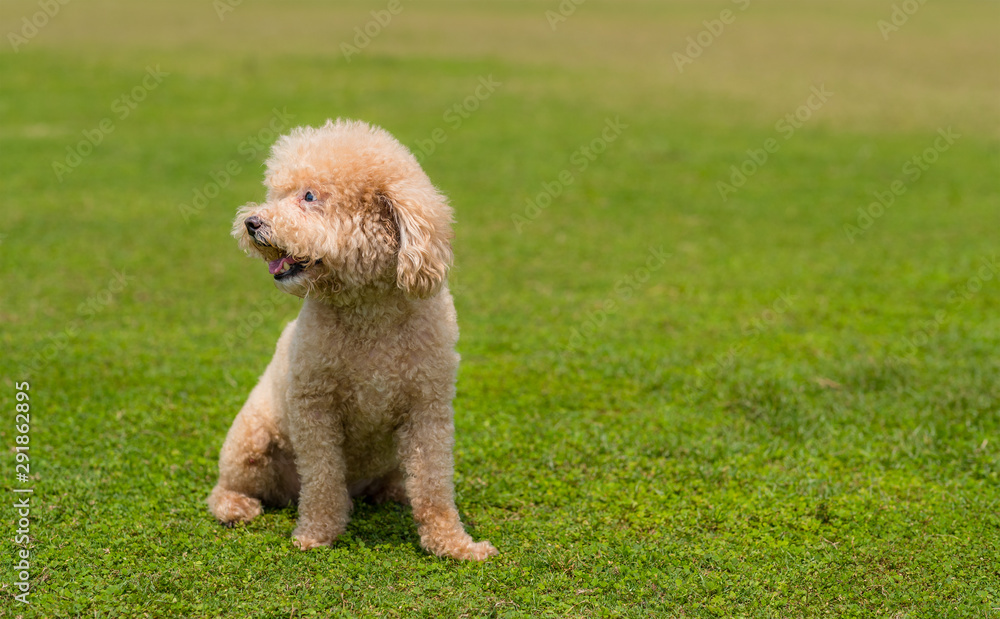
(746,432)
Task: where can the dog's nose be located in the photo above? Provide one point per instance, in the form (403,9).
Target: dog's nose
(253,224)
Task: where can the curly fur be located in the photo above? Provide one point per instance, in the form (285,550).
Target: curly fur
(357,399)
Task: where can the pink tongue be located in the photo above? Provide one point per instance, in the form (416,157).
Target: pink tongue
(275,265)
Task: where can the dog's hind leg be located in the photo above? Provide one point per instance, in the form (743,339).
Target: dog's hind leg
(256,466)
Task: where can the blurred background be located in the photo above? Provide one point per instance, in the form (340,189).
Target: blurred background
(726,274)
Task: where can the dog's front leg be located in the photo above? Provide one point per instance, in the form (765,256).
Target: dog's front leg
(317,436)
(425,444)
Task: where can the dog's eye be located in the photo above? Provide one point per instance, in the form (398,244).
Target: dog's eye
(309,197)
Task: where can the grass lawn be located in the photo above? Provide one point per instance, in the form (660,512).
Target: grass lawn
(727,285)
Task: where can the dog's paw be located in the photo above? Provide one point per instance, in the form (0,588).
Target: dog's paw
(306,540)
(231,507)
(479,551)
(460,547)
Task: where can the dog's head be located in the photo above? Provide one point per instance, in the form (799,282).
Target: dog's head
(348,209)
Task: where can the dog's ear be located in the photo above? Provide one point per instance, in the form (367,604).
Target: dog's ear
(423,219)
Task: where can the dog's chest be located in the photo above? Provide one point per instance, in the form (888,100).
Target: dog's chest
(375,393)
(372,373)
(370,384)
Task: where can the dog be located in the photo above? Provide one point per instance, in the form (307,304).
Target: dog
(357,400)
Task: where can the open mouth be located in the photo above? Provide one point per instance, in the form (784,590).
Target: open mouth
(286,267)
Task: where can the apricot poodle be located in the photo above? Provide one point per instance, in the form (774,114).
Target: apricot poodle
(357,399)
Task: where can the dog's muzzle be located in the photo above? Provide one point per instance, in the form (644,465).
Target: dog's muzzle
(256,228)
(284,266)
